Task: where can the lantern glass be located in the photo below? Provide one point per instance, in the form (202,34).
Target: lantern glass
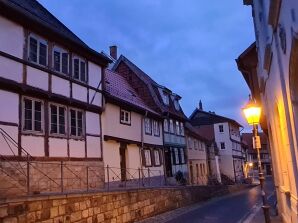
(252,114)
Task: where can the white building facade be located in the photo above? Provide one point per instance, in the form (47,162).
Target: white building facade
(273,82)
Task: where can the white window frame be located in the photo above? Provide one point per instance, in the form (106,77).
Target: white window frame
(189,142)
(147,157)
(182,156)
(182,128)
(166,125)
(176,153)
(156,130)
(221,128)
(172,126)
(32,115)
(156,155)
(58,120)
(177,127)
(80,75)
(83,123)
(195,144)
(148,126)
(61,51)
(39,40)
(126,114)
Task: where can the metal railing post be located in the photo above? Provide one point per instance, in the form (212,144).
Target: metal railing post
(148,176)
(108,176)
(28,175)
(139,177)
(61,176)
(87,176)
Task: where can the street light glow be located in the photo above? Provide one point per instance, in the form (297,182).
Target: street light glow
(252,113)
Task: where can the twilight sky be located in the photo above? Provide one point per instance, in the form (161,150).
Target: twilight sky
(188,46)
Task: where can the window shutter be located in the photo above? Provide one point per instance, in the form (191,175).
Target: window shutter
(33,50)
(42,54)
(65,63)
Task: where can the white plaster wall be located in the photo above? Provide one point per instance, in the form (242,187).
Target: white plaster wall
(9,111)
(199,178)
(226,166)
(10,69)
(34,145)
(111,158)
(196,154)
(92,123)
(94,75)
(37,78)
(223,137)
(11,37)
(132,158)
(57,147)
(151,139)
(95,98)
(60,86)
(76,148)
(10,148)
(112,127)
(93,147)
(79,92)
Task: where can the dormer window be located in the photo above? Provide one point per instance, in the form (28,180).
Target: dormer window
(60,60)
(165,98)
(38,50)
(79,69)
(176,104)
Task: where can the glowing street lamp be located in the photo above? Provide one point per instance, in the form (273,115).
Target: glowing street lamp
(252,113)
(250,164)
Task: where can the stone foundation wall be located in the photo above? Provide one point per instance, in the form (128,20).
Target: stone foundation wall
(118,207)
(46,177)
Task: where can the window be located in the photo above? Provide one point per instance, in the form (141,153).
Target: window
(165,98)
(182,157)
(165,125)
(221,129)
(176,153)
(32,115)
(125,117)
(182,128)
(79,69)
(176,104)
(156,128)
(60,60)
(57,119)
(38,50)
(147,157)
(76,123)
(195,144)
(189,143)
(148,127)
(222,145)
(177,128)
(156,157)
(171,126)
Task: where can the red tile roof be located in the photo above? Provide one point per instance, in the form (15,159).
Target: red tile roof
(119,88)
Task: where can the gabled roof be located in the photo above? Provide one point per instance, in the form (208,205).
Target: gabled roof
(200,117)
(153,88)
(118,88)
(33,13)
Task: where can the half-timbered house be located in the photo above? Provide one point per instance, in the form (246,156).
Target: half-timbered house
(50,95)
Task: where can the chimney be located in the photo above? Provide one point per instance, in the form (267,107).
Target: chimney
(200,105)
(113,52)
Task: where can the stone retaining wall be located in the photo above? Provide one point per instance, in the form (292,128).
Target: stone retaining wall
(112,207)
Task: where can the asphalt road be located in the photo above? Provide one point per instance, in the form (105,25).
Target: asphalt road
(229,209)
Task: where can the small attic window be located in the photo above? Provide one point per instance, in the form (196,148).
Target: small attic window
(165,98)
(176,104)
